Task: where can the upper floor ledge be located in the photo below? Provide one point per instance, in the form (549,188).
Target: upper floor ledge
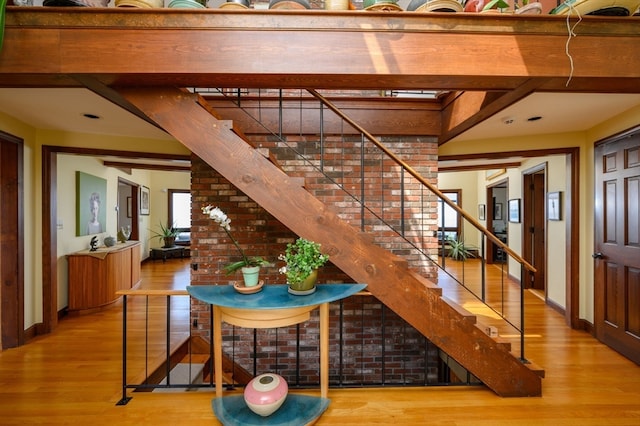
(316,20)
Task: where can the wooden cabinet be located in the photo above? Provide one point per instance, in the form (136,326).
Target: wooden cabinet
(95,277)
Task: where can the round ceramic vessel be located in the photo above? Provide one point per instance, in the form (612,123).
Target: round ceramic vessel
(265,393)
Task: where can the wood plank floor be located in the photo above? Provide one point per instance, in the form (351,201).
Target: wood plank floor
(73,377)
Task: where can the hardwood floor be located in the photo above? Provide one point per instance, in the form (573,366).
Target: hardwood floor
(73,377)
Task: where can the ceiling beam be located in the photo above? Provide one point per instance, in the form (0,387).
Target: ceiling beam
(128,166)
(470,108)
(404,50)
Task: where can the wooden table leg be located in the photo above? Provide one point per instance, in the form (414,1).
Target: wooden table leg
(324,350)
(217,349)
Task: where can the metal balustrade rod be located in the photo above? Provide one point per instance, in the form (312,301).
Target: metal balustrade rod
(125,399)
(168,340)
(362,184)
(522,335)
(402,197)
(483,269)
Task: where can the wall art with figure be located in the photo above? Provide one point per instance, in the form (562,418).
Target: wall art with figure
(91,212)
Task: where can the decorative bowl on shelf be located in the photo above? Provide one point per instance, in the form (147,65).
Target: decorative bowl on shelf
(265,393)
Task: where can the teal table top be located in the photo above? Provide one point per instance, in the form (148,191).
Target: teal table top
(272,296)
(296,410)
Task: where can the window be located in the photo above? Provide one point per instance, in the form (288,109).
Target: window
(448,218)
(180,209)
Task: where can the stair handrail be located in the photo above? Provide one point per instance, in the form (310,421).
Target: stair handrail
(419,177)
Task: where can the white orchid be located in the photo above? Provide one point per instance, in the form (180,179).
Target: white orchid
(221,219)
(218,216)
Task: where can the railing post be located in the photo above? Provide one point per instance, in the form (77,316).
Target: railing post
(125,399)
(483,266)
(522,357)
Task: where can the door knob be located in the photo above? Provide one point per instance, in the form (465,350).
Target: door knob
(597,255)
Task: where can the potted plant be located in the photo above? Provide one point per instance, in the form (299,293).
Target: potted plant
(302,258)
(250,266)
(167,234)
(457,250)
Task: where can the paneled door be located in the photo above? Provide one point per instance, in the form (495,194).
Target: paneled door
(617,244)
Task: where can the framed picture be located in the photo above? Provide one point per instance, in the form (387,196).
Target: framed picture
(91,194)
(482,212)
(144,201)
(514,210)
(554,205)
(129,212)
(497,211)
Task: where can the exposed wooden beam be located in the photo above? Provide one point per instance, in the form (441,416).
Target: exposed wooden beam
(471,108)
(476,167)
(350,50)
(380,116)
(145,166)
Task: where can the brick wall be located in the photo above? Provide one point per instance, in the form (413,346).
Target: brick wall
(260,234)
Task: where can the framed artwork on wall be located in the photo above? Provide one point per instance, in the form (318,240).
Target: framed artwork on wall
(554,206)
(482,212)
(497,211)
(91,194)
(514,210)
(144,201)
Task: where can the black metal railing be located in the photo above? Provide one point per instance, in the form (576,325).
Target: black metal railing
(157,330)
(400,217)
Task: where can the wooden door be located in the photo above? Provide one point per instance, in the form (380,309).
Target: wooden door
(11,243)
(617,244)
(534,225)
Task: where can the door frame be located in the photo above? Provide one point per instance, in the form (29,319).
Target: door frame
(12,333)
(527,218)
(49,219)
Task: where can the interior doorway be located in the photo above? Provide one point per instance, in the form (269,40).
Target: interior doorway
(534,183)
(11,242)
(128,208)
(497,220)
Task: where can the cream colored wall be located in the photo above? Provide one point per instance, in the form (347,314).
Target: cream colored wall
(34,139)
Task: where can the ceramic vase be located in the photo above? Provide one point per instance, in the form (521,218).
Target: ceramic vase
(265,393)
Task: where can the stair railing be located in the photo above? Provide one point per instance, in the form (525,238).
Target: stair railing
(403,226)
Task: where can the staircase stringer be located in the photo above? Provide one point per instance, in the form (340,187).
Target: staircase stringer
(414,298)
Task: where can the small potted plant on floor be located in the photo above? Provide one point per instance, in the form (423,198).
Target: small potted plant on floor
(302,258)
(167,235)
(457,250)
(250,266)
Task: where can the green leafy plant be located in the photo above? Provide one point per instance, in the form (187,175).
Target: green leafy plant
(301,258)
(165,232)
(457,250)
(224,222)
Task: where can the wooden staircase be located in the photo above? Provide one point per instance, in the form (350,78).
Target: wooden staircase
(417,300)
